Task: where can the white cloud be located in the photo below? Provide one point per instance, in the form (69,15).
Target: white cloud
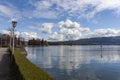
(25,35)
(56,37)
(78,8)
(102,33)
(44,14)
(101,5)
(9,11)
(5,32)
(53,9)
(43,9)
(29,35)
(68,30)
(46,28)
(66,33)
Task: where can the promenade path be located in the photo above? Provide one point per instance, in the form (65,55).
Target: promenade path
(4,64)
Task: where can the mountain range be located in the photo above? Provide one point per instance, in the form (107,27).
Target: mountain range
(91,41)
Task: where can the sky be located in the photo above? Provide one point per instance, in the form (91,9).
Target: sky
(61,20)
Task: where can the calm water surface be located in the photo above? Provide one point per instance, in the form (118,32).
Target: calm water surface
(91,62)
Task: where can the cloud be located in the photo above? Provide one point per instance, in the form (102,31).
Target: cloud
(29,35)
(53,9)
(9,11)
(102,33)
(56,37)
(24,35)
(101,5)
(46,28)
(68,30)
(77,8)
(42,9)
(31,27)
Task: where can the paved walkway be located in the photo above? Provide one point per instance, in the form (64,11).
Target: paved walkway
(4,64)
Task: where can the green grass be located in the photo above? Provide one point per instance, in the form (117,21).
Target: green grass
(25,70)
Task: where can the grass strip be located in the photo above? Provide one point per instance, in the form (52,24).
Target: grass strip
(25,70)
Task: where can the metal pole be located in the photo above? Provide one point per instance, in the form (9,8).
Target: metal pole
(12,46)
(10,37)
(13,42)
(1,40)
(10,41)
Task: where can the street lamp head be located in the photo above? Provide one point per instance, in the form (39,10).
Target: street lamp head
(14,23)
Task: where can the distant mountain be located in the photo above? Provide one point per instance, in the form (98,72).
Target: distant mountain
(91,41)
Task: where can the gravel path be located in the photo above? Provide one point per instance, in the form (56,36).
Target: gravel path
(4,64)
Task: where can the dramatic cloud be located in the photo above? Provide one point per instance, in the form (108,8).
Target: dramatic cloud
(78,8)
(68,30)
(53,9)
(48,12)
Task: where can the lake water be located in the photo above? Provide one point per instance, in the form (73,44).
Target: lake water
(91,62)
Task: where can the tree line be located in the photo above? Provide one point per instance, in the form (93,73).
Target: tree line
(6,41)
(38,42)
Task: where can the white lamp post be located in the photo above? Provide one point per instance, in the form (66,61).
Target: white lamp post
(14,23)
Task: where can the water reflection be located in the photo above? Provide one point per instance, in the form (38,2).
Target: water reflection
(78,62)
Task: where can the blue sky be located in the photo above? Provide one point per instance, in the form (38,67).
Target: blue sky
(58,20)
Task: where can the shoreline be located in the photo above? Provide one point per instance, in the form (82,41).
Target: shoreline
(26,70)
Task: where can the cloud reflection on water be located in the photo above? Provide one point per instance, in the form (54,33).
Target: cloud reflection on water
(92,62)
(69,57)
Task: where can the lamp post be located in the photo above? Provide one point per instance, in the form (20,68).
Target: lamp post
(14,23)
(10,43)
(1,40)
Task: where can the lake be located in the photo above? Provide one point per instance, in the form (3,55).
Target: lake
(89,62)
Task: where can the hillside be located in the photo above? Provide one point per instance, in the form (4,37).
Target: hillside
(91,41)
